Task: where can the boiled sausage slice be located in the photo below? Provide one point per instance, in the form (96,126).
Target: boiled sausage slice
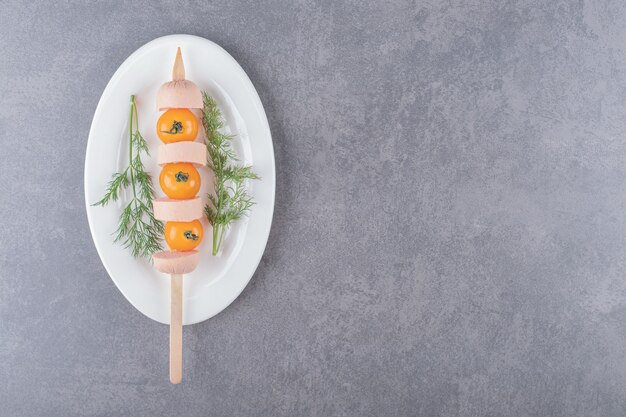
(176,262)
(192,152)
(170,210)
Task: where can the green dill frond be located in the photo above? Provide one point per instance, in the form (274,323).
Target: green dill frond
(137,229)
(230,200)
(119,181)
(140,143)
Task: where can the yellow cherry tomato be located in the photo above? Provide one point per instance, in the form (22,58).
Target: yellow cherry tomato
(177,125)
(180,181)
(183,236)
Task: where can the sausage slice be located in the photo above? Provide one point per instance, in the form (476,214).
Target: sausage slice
(176,262)
(192,152)
(170,210)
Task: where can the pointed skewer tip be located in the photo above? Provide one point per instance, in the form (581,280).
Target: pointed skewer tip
(178,72)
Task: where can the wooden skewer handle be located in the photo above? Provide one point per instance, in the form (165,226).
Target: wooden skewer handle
(176,330)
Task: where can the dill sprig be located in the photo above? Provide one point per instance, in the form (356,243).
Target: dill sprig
(138,230)
(230,200)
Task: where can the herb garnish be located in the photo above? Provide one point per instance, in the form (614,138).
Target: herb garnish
(230,200)
(137,229)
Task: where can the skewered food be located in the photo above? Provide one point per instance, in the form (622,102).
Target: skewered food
(177,125)
(183,236)
(179,93)
(191,152)
(171,210)
(180,181)
(176,262)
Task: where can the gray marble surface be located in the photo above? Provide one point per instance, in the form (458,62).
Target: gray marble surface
(449,234)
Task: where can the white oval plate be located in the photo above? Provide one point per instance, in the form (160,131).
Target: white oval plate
(218,280)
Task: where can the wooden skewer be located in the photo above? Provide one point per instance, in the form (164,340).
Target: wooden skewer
(178,72)
(176,301)
(176,329)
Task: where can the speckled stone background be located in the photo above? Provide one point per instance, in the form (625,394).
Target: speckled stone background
(449,236)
